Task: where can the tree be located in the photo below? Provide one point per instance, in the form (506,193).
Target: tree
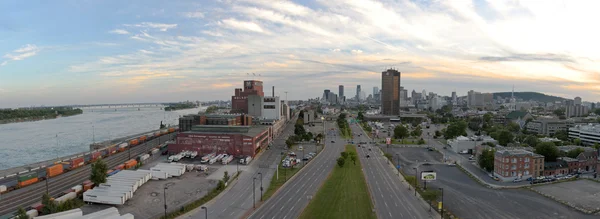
(514,127)
(596,145)
(341,161)
(344,154)
(400,132)
(360,116)
(562,135)
(299,130)
(486,160)
(99,169)
(289,142)
(49,205)
(21,214)
(505,137)
(308,136)
(353,158)
(226,176)
(559,112)
(456,129)
(575,152)
(549,150)
(532,141)
(437,133)
(421,141)
(417,131)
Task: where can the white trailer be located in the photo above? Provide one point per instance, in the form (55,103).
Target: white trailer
(170,171)
(103,197)
(227,160)
(106,213)
(126,216)
(70,214)
(156,175)
(220,156)
(211,161)
(194,154)
(154,151)
(174,165)
(134,174)
(66,197)
(135,183)
(117,190)
(77,188)
(190,167)
(112,184)
(32,213)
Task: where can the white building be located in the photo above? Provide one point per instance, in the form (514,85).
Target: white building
(271,109)
(436,102)
(588,134)
(462,143)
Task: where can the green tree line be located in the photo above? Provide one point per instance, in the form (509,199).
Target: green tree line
(38,113)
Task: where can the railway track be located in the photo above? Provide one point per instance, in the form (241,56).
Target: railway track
(32,194)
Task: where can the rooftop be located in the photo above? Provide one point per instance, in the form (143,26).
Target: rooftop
(568,148)
(516,114)
(568,159)
(556,165)
(515,152)
(591,127)
(225,129)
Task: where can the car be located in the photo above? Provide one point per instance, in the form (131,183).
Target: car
(451,164)
(517,180)
(300,148)
(369,149)
(368,155)
(430,148)
(332,141)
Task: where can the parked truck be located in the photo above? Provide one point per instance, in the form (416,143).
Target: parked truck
(227,159)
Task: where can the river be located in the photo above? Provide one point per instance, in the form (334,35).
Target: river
(30,142)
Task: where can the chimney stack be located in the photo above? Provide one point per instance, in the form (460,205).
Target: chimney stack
(273,91)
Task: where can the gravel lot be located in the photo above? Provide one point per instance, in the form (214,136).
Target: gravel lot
(148,201)
(583,194)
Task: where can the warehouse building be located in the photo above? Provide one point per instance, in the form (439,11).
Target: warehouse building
(235,140)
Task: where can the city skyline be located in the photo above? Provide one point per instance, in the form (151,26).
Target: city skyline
(114,52)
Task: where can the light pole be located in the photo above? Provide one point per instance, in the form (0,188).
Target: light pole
(442,203)
(424,181)
(205,212)
(165,197)
(254,192)
(261,187)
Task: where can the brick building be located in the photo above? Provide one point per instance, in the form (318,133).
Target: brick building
(516,163)
(239,101)
(186,123)
(559,167)
(235,140)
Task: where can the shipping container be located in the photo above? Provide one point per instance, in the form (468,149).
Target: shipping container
(66,197)
(164,131)
(28,182)
(156,134)
(88,186)
(77,162)
(142,138)
(133,142)
(37,206)
(96,155)
(120,167)
(77,188)
(146,176)
(55,170)
(154,151)
(112,150)
(32,213)
(123,146)
(3,188)
(28,176)
(130,164)
(113,172)
(171,130)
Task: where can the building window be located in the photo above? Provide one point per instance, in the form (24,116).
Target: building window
(513,173)
(526,172)
(526,165)
(527,159)
(514,167)
(269,107)
(514,160)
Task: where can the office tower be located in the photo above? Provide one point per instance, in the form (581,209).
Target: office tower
(454,98)
(390,92)
(326,95)
(341,93)
(577,100)
(375,91)
(358,93)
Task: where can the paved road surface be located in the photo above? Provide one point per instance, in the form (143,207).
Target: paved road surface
(391,197)
(32,194)
(294,196)
(236,201)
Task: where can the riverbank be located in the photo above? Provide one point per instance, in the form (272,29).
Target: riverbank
(33,119)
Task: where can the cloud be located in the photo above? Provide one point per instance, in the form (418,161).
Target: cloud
(528,57)
(119,31)
(242,25)
(159,26)
(196,14)
(4,63)
(336,50)
(24,52)
(356,51)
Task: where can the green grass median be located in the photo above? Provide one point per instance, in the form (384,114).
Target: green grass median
(284,173)
(343,195)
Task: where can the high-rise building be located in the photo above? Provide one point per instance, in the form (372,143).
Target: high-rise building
(375,91)
(239,101)
(326,95)
(424,94)
(577,100)
(454,98)
(341,93)
(390,92)
(358,92)
(403,97)
(474,99)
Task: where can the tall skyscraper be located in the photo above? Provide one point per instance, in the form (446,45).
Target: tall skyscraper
(326,95)
(375,91)
(358,90)
(390,92)
(454,98)
(341,93)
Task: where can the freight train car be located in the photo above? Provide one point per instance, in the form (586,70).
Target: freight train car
(134,142)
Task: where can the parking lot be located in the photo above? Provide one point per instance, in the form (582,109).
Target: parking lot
(148,201)
(583,194)
(410,156)
(300,154)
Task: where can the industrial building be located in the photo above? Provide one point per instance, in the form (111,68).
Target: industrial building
(235,140)
(186,123)
(239,101)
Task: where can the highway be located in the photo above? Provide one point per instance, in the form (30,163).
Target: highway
(391,197)
(32,194)
(294,196)
(236,201)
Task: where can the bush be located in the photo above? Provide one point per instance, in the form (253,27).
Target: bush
(341,161)
(388,156)
(344,155)
(430,194)
(421,141)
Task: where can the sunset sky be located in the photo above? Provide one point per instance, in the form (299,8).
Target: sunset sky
(83,52)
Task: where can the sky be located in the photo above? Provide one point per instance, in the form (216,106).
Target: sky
(86,52)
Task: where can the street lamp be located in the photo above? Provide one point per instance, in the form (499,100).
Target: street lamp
(442,202)
(261,187)
(205,212)
(165,197)
(254,192)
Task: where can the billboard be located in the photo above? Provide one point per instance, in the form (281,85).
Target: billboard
(388,140)
(428,176)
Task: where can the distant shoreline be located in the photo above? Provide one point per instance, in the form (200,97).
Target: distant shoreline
(32,119)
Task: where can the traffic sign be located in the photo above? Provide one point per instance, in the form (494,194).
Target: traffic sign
(398,166)
(388,140)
